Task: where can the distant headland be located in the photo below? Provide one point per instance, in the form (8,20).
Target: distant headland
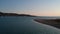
(15,14)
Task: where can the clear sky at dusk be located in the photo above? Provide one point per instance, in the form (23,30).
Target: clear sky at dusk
(33,7)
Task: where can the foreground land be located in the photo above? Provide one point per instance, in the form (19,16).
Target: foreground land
(52,22)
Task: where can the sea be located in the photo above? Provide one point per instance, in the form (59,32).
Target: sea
(25,25)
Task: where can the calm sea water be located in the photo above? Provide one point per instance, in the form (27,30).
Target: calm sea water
(24,25)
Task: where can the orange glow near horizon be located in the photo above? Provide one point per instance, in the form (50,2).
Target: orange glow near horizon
(42,13)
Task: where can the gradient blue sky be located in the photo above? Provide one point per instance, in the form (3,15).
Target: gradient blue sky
(33,7)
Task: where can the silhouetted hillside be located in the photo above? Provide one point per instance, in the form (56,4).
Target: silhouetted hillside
(14,14)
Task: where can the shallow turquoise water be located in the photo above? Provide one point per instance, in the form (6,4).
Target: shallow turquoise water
(24,25)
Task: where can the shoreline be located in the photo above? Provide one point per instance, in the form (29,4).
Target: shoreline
(51,22)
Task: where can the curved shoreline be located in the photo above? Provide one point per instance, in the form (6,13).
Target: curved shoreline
(51,22)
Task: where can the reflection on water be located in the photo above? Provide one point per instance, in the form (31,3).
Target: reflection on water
(24,25)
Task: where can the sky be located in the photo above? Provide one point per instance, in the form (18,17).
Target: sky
(33,7)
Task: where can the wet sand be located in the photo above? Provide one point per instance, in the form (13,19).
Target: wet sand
(51,22)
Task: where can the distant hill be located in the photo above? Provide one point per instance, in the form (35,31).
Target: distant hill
(14,14)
